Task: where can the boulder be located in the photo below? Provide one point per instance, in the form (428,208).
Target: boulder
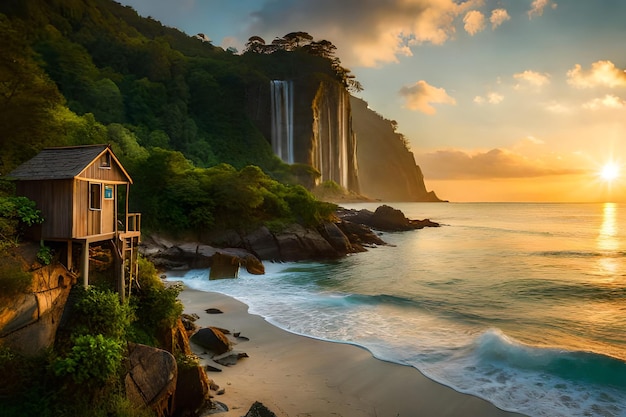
(262,243)
(192,390)
(336,238)
(253,264)
(196,255)
(230,359)
(212,339)
(175,339)
(259,410)
(360,236)
(224,265)
(297,243)
(313,242)
(151,379)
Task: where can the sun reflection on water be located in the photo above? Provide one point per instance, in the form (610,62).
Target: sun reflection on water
(607,240)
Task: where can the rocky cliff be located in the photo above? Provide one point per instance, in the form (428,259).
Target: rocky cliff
(315,121)
(387,169)
(309,123)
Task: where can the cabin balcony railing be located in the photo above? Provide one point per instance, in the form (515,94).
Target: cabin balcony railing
(133,222)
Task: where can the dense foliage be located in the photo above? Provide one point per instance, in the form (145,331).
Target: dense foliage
(175,110)
(172,191)
(93,71)
(156,306)
(83,375)
(16,213)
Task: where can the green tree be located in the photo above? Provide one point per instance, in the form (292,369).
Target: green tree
(27,98)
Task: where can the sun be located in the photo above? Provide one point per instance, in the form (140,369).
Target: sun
(609,172)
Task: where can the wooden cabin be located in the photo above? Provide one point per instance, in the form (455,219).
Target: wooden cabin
(78,190)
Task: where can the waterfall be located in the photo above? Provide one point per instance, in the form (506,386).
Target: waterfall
(282,119)
(334,142)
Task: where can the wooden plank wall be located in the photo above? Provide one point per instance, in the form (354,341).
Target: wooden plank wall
(96,172)
(81,209)
(54,199)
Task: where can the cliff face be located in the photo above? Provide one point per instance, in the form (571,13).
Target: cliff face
(387,170)
(310,123)
(317,122)
(28,322)
(334,146)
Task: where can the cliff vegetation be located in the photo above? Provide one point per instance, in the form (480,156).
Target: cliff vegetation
(93,71)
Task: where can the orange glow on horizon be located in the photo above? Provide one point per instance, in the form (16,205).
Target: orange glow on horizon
(566,188)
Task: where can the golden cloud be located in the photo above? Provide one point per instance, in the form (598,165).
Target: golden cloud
(537,6)
(496,163)
(383,31)
(498,16)
(420,95)
(602,73)
(609,101)
(532,78)
(474,22)
(491,98)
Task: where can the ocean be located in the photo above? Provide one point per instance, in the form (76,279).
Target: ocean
(522,304)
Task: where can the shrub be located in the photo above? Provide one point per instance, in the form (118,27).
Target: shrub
(44,254)
(156,305)
(101,312)
(15,213)
(21,209)
(92,360)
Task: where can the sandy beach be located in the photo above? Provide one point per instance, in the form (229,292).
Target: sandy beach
(298,376)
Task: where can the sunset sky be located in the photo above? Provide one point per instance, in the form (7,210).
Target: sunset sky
(502,100)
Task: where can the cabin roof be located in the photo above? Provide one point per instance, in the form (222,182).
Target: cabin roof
(61,163)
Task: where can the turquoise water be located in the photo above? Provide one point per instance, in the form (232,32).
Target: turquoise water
(521,304)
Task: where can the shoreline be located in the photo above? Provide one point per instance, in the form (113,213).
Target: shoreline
(296,375)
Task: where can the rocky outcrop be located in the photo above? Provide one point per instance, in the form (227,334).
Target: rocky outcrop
(155,380)
(186,255)
(387,169)
(351,232)
(192,386)
(151,379)
(385,218)
(192,391)
(293,243)
(28,322)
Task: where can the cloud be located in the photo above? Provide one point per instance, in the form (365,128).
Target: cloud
(531,78)
(609,101)
(491,98)
(496,163)
(537,6)
(474,22)
(602,73)
(370,34)
(498,16)
(420,95)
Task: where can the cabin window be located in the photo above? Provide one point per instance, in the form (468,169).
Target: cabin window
(95,196)
(108,192)
(105,161)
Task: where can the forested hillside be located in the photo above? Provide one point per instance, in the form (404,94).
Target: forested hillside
(174,107)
